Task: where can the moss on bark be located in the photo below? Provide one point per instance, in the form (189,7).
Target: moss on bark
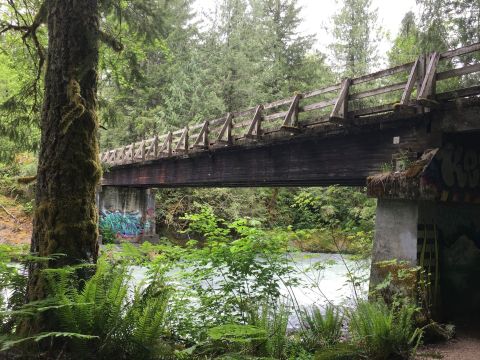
(65,220)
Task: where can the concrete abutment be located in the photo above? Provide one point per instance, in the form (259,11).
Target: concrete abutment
(129,213)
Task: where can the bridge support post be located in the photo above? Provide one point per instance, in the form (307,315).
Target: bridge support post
(429,216)
(127,213)
(395,234)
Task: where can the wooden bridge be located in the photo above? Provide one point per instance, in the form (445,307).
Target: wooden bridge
(339,134)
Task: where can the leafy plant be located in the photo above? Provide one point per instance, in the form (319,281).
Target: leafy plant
(381,332)
(321,330)
(106,317)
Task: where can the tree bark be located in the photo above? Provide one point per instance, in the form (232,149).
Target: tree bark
(65,219)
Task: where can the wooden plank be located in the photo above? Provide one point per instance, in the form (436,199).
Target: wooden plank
(382,73)
(226,130)
(458,72)
(427,89)
(377,91)
(324,90)
(372,110)
(412,77)
(202,139)
(449,95)
(340,109)
(318,105)
(182,145)
(291,118)
(278,103)
(460,51)
(275,116)
(254,131)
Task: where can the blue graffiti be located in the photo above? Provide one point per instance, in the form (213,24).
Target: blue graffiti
(126,224)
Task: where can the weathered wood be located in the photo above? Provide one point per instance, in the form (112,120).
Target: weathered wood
(412,78)
(324,90)
(455,94)
(278,103)
(226,131)
(373,110)
(314,160)
(155,147)
(340,109)
(318,105)
(377,91)
(381,73)
(291,118)
(460,51)
(420,71)
(254,131)
(428,86)
(458,72)
(182,145)
(202,139)
(275,116)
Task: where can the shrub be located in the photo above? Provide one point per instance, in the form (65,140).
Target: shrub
(381,332)
(321,330)
(107,317)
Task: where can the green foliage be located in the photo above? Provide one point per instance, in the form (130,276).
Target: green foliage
(381,332)
(106,316)
(236,267)
(332,207)
(356,35)
(321,330)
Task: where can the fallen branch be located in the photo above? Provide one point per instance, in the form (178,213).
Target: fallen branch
(9,213)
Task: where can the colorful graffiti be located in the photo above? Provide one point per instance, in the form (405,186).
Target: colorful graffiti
(123,224)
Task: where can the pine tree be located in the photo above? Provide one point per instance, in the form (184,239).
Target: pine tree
(355,32)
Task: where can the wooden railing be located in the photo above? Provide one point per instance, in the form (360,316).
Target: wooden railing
(409,87)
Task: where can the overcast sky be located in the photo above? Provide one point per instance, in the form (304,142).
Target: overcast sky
(317,15)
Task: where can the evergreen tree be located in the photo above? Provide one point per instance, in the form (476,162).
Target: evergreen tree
(356,33)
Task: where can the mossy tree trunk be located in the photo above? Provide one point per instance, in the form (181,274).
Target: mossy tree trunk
(65,220)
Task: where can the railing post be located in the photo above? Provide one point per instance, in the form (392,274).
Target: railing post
(182,145)
(290,122)
(226,129)
(202,137)
(155,146)
(340,109)
(427,91)
(255,130)
(142,150)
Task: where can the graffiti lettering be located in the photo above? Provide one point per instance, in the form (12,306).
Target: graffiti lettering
(123,224)
(459,167)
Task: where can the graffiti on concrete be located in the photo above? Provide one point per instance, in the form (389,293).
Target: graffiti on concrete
(459,167)
(123,224)
(454,173)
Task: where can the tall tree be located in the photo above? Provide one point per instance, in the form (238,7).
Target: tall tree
(65,219)
(355,33)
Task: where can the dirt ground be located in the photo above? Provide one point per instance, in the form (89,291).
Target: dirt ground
(15,225)
(465,346)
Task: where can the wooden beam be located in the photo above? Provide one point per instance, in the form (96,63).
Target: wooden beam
(254,130)
(426,93)
(202,139)
(182,145)
(340,109)
(404,105)
(290,123)
(458,72)
(226,131)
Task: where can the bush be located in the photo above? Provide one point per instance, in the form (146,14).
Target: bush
(107,317)
(381,332)
(321,330)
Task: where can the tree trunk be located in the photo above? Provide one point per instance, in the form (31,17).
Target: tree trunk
(65,219)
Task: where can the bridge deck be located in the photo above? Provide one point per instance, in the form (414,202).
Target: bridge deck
(339,134)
